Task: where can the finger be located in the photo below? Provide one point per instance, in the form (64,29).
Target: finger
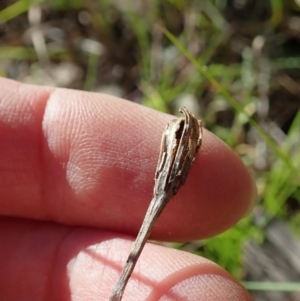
(52,262)
(89,159)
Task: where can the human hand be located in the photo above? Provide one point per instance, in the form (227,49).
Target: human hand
(76,178)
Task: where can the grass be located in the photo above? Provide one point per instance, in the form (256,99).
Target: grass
(182,48)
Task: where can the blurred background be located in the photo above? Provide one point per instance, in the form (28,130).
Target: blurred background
(234,63)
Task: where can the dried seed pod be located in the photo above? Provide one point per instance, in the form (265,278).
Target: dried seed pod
(180,144)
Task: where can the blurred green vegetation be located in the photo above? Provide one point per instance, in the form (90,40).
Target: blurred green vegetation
(236,62)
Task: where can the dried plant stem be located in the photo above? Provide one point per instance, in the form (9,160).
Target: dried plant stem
(180,144)
(155,208)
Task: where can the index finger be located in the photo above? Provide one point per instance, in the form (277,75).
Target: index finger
(88,159)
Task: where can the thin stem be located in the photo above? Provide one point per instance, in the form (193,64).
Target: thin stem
(156,206)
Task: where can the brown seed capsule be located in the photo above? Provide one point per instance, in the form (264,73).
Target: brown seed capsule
(180,144)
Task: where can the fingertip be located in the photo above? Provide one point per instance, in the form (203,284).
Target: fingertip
(59,262)
(218,192)
(90,160)
(166,273)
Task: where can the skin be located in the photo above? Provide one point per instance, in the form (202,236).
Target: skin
(76,178)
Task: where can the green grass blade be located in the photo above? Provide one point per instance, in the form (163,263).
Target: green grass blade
(203,70)
(17,53)
(272,286)
(16,9)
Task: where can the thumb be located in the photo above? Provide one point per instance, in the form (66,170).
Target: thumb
(55,262)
